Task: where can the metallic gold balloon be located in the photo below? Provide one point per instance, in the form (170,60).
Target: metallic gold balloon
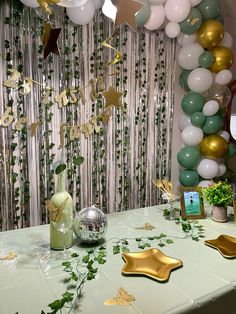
(223,59)
(210,33)
(213,146)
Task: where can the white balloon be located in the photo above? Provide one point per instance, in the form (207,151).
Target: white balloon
(208,168)
(83,14)
(189,55)
(224,134)
(200,80)
(195,2)
(172,29)
(157,17)
(30,3)
(210,108)
(184,121)
(185,39)
(205,183)
(227,40)
(191,135)
(109,9)
(156,2)
(177,10)
(222,169)
(71,3)
(223,77)
(98,4)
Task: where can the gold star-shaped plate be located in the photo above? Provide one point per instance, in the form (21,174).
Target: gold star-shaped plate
(151,263)
(225,244)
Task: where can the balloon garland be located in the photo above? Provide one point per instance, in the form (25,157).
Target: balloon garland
(205,57)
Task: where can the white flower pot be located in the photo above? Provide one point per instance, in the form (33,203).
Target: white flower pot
(219,214)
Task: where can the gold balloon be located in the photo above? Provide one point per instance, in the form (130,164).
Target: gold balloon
(210,33)
(223,59)
(213,146)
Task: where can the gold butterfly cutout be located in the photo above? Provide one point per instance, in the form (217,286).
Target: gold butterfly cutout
(147,226)
(123,298)
(55,211)
(9,256)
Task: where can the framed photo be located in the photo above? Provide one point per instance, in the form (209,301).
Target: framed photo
(191,201)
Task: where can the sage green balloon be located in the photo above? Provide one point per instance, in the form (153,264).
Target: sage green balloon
(192,102)
(231,150)
(206,59)
(188,157)
(189,178)
(210,9)
(198,119)
(220,18)
(213,124)
(192,23)
(144,13)
(183,80)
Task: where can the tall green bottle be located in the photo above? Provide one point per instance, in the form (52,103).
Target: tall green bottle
(56,237)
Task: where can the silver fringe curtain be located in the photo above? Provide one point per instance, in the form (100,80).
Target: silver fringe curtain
(122,160)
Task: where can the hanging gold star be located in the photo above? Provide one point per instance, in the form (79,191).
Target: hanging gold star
(112,97)
(126,10)
(49,39)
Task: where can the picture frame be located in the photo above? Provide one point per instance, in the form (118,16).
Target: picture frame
(192,204)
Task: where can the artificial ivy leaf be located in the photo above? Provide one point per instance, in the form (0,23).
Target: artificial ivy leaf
(67,296)
(78,160)
(60,168)
(55,305)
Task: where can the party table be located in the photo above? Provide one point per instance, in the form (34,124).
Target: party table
(205,284)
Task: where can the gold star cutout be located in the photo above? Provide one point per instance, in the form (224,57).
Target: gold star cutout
(151,263)
(49,39)
(225,244)
(126,10)
(112,97)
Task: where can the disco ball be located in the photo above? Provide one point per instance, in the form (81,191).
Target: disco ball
(90,224)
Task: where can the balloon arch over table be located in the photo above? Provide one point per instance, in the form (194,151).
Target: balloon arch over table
(205,58)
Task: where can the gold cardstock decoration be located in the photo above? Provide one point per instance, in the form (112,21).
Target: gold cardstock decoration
(13,79)
(55,211)
(112,97)
(146,226)
(44,4)
(7,118)
(122,298)
(126,10)
(49,39)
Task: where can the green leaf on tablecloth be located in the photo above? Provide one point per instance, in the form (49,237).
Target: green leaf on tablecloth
(161,244)
(169,241)
(85,259)
(116,249)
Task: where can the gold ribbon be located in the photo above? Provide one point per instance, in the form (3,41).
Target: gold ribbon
(118,53)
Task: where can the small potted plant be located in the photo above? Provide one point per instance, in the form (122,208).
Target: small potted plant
(220,195)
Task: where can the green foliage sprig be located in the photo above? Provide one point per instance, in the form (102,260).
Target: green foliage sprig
(191,228)
(219,194)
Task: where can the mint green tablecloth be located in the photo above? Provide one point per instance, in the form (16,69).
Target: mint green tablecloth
(205,284)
